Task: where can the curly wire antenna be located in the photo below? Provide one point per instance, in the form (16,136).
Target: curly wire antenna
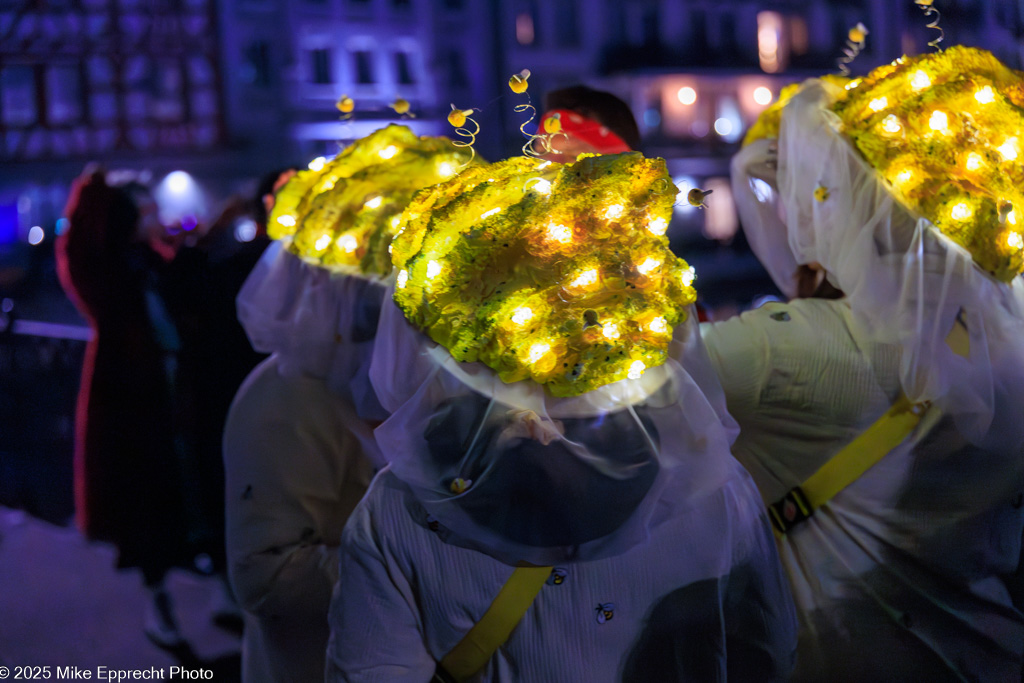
(929,11)
(467,133)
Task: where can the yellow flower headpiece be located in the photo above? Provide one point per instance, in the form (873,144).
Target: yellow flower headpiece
(946,130)
(346,212)
(559,273)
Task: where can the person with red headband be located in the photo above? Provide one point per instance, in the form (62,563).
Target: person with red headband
(591,120)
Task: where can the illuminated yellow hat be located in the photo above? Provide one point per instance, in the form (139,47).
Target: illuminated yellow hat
(558,273)
(345,212)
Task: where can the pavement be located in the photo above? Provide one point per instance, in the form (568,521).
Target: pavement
(64,603)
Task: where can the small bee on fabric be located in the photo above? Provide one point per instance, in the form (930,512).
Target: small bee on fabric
(605,611)
(558,576)
(821,193)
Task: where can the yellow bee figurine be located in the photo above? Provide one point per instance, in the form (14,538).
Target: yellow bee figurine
(923,3)
(518,82)
(457,117)
(345,104)
(697,196)
(401,106)
(821,193)
(553,124)
(858,33)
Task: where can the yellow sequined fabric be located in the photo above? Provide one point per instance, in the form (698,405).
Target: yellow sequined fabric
(346,213)
(558,273)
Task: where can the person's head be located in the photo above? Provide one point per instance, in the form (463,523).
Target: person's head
(269,184)
(592,121)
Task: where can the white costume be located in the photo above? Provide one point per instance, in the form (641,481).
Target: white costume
(895,578)
(664,567)
(297,458)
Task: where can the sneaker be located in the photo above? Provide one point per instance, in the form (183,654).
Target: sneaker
(159,625)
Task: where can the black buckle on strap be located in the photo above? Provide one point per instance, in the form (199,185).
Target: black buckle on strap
(790,510)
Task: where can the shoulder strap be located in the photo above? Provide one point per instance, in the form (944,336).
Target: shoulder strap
(495,626)
(846,466)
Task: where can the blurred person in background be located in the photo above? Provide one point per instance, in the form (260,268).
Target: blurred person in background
(591,121)
(128,487)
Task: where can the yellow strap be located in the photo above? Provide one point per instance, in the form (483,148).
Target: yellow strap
(862,453)
(495,626)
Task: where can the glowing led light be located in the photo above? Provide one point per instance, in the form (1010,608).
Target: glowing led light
(920,80)
(487,214)
(636,369)
(286,220)
(723,126)
(1011,217)
(374,203)
(658,325)
(327,184)
(938,121)
(544,165)
(610,331)
(688,276)
(445,168)
(985,95)
(762,95)
(543,186)
(852,84)
(614,211)
(973,162)
(1015,240)
(317,164)
(322,242)
(560,233)
(657,225)
(388,152)
(648,265)
(1009,149)
(687,95)
(36,235)
(348,243)
(891,124)
(904,176)
(878,104)
(403,278)
(521,316)
(433,269)
(584,279)
(961,212)
(245,230)
(537,351)
(395,221)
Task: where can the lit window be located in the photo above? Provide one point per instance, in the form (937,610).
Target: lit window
(770,48)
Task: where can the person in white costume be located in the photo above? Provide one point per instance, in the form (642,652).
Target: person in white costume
(298,445)
(896,578)
(659,560)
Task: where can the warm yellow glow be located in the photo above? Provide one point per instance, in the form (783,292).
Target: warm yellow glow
(614,211)
(985,95)
(610,330)
(395,221)
(522,315)
(348,243)
(938,121)
(585,279)
(327,184)
(559,233)
(433,269)
(1011,217)
(403,278)
(920,80)
(762,96)
(543,165)
(543,186)
(388,152)
(286,220)
(904,176)
(961,212)
(688,276)
(973,162)
(487,214)
(1015,240)
(537,351)
(878,104)
(891,124)
(322,242)
(317,164)
(446,169)
(648,265)
(374,203)
(1009,149)
(687,95)
(636,370)
(852,84)
(658,325)
(657,225)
